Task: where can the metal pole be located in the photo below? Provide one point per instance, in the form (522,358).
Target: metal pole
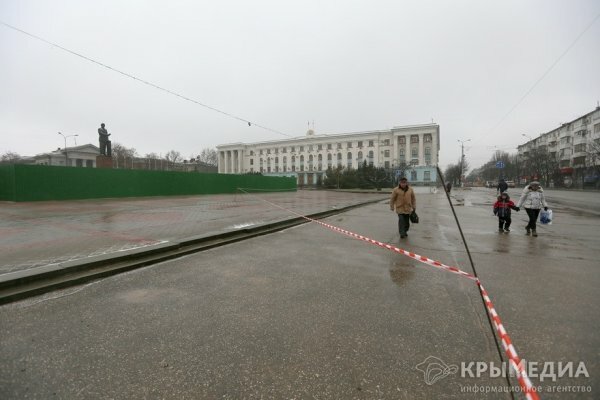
(66,155)
(472,267)
(462,159)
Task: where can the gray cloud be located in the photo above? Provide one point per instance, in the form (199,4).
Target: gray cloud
(350,66)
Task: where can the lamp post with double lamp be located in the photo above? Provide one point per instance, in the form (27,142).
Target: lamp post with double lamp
(66,155)
(462,159)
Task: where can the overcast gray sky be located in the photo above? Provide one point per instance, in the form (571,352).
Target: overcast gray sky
(348,65)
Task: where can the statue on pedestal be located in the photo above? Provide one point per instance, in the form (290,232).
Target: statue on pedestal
(105,144)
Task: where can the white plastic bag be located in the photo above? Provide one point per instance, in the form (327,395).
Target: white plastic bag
(546,217)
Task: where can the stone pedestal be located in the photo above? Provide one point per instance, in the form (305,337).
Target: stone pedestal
(104,162)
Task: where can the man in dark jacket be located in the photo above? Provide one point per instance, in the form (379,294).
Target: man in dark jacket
(502,186)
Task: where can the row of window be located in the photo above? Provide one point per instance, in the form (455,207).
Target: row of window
(571,126)
(565,153)
(386,153)
(567,138)
(583,122)
(77,162)
(310,164)
(329,146)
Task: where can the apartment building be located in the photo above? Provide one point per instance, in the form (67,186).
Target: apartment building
(574,145)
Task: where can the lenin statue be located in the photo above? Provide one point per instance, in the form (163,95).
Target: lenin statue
(103,135)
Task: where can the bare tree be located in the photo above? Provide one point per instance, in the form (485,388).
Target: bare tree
(592,159)
(122,155)
(540,163)
(208,156)
(9,157)
(515,167)
(474,175)
(173,156)
(593,155)
(122,151)
(452,173)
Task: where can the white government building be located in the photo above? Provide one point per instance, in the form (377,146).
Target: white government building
(308,157)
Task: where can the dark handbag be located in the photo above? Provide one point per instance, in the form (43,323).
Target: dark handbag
(414,218)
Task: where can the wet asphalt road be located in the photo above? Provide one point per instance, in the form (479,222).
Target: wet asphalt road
(37,234)
(309,313)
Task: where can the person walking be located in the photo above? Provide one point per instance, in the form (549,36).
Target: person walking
(533,200)
(502,186)
(502,209)
(448,187)
(403,202)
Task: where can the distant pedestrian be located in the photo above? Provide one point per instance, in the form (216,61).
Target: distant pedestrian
(502,209)
(502,186)
(448,187)
(403,202)
(533,200)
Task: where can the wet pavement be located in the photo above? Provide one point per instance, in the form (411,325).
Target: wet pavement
(37,234)
(310,313)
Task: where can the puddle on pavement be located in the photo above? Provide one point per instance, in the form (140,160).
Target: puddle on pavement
(502,245)
(401,271)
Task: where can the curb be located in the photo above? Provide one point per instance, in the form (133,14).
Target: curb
(21,284)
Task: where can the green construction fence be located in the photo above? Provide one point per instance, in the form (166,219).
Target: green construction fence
(42,182)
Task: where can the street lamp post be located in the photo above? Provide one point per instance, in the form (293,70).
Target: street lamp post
(462,158)
(66,155)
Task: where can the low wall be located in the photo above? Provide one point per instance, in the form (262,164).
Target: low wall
(42,182)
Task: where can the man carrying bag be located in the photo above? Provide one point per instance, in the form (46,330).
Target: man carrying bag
(403,202)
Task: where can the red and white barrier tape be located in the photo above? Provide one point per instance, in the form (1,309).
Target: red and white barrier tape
(398,250)
(511,353)
(509,349)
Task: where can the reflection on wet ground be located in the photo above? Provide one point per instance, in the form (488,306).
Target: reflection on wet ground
(401,271)
(502,245)
(48,233)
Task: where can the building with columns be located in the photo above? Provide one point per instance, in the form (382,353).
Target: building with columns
(76,156)
(413,149)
